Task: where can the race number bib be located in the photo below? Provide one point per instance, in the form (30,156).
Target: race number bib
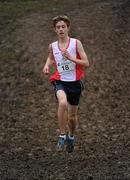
(66,66)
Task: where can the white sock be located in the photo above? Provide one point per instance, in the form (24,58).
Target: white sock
(62,136)
(71,137)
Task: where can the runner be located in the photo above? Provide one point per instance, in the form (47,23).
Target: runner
(68,56)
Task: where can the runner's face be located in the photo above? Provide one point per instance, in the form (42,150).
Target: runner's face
(61,29)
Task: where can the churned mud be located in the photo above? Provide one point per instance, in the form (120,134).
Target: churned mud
(28,119)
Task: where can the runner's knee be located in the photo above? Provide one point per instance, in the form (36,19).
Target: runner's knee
(63,104)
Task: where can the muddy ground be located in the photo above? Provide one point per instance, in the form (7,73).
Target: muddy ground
(28,120)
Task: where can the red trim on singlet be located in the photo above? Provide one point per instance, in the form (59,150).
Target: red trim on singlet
(79,68)
(56,75)
(66,46)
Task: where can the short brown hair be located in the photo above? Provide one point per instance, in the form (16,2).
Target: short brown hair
(64,18)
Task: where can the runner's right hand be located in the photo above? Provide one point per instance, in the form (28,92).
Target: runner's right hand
(46,70)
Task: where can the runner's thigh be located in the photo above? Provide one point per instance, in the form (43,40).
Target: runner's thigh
(61,96)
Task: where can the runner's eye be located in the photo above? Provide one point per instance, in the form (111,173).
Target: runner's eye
(58,27)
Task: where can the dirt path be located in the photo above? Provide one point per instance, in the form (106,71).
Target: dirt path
(28,128)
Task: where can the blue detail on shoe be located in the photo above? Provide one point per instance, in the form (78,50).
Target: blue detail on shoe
(69,144)
(61,142)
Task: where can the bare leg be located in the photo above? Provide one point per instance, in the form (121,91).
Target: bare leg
(62,110)
(72,118)
(72,123)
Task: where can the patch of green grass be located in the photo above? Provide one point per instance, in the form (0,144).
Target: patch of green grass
(16,9)
(7,56)
(12,11)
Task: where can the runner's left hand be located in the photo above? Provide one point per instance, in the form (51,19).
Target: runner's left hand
(66,55)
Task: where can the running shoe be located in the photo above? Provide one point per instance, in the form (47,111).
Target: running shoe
(70,144)
(61,142)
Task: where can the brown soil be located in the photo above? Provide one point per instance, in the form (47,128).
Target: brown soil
(28,128)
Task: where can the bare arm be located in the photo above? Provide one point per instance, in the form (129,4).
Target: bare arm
(83,61)
(49,63)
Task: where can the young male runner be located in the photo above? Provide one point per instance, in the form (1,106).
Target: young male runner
(68,56)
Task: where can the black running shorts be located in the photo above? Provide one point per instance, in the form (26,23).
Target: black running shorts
(72,89)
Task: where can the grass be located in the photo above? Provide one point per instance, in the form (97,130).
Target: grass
(12,11)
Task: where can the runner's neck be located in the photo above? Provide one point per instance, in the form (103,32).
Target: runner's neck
(63,43)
